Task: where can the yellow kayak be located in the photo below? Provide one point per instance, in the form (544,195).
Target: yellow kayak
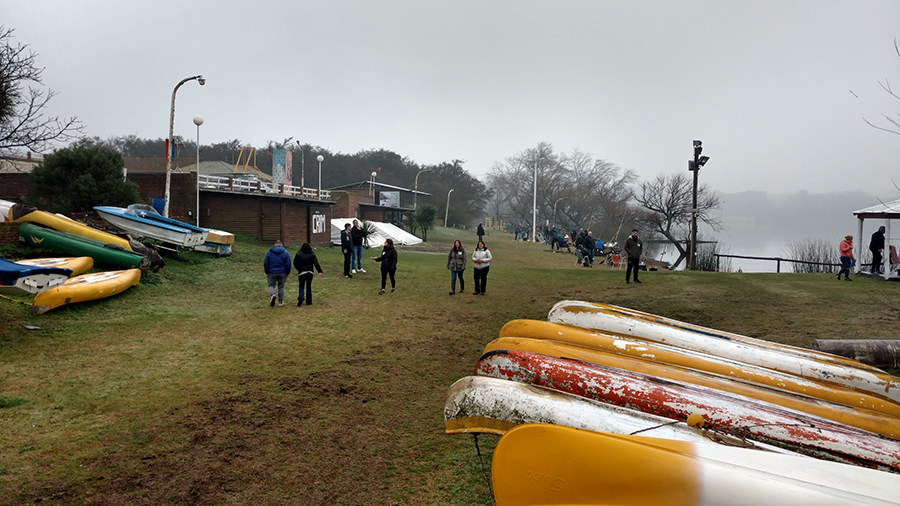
(10,211)
(78,265)
(665,354)
(542,465)
(86,287)
(854,416)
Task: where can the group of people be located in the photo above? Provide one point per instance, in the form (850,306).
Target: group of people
(352,238)
(456,264)
(277,266)
(876,246)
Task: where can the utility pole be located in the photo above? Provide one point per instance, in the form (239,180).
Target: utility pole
(694,166)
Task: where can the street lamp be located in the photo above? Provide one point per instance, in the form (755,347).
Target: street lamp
(198,120)
(320,158)
(534,202)
(416,192)
(372,185)
(302,165)
(447,209)
(694,166)
(202,81)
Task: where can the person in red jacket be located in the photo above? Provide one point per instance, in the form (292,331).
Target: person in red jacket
(846,257)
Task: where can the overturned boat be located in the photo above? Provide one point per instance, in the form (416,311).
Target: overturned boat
(141,220)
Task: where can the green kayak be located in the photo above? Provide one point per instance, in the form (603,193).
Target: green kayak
(75,245)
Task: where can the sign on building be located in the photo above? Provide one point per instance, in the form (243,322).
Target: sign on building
(389,199)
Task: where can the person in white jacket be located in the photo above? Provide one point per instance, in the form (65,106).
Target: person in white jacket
(481,257)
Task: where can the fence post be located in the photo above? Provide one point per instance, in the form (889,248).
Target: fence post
(778,266)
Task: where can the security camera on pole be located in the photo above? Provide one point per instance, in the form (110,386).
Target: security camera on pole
(694,166)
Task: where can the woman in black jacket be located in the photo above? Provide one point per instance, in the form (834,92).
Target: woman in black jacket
(304,261)
(388,261)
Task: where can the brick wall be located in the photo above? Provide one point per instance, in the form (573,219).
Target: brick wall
(14,186)
(182,190)
(9,232)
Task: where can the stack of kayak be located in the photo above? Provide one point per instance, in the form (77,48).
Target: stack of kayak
(606,405)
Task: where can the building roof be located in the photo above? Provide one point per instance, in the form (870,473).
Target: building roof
(885,210)
(365,185)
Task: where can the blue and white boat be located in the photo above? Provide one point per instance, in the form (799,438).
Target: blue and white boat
(141,220)
(28,279)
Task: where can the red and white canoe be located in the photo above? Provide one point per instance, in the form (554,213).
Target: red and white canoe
(666,354)
(858,417)
(735,414)
(589,316)
(546,465)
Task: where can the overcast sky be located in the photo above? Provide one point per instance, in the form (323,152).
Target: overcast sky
(768,86)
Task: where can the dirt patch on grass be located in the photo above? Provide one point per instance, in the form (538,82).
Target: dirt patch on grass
(339,436)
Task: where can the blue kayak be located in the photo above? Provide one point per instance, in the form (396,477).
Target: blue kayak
(26,279)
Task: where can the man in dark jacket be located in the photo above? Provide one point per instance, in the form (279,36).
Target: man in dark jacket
(634,249)
(277,266)
(480,231)
(358,235)
(346,248)
(876,246)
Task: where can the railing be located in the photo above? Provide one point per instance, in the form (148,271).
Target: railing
(244,185)
(777,260)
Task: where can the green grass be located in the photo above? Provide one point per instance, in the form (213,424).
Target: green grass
(190,388)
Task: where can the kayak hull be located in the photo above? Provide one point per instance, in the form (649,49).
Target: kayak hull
(87,287)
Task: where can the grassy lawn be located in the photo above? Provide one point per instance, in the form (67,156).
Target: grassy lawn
(190,389)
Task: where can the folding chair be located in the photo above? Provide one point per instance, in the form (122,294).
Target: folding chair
(616,260)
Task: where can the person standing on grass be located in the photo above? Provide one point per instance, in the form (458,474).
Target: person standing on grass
(480,231)
(481,257)
(876,246)
(456,263)
(305,261)
(358,235)
(846,257)
(388,261)
(633,249)
(277,266)
(346,248)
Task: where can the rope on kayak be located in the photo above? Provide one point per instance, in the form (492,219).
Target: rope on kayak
(483,470)
(654,427)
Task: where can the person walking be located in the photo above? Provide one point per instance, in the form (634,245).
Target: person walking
(357,235)
(456,263)
(480,231)
(846,257)
(876,246)
(305,261)
(633,249)
(346,248)
(481,257)
(388,261)
(277,265)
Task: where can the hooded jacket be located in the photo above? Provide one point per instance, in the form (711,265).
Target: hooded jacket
(877,242)
(278,261)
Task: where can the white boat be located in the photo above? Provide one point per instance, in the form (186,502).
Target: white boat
(595,318)
(141,220)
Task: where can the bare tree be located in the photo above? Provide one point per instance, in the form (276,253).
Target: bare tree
(22,120)
(886,86)
(667,201)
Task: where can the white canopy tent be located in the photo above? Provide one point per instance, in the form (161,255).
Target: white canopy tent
(884,212)
(375,239)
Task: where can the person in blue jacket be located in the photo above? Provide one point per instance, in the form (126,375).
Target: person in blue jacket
(277,266)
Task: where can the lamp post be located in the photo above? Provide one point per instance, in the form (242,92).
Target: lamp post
(534,202)
(202,81)
(198,120)
(416,191)
(694,166)
(302,165)
(319,193)
(372,185)
(555,221)
(447,209)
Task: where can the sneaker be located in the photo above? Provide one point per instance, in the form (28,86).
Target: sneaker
(361,270)
(309,303)
(381,292)
(627,282)
(482,293)
(638,281)
(394,290)
(451,293)
(272,301)
(847,279)
(280,304)
(299,303)
(353,271)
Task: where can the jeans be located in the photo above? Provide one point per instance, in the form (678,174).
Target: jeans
(276,284)
(357,258)
(306,280)
(384,275)
(845,267)
(347,254)
(481,279)
(632,264)
(453,276)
